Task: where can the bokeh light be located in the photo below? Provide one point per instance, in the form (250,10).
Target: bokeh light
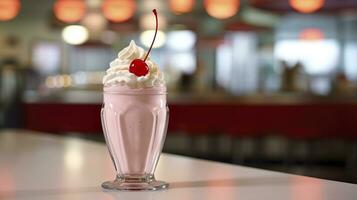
(221,9)
(146,38)
(58,81)
(69,10)
(9,9)
(311,34)
(118,10)
(183,35)
(75,34)
(182,6)
(306,6)
(95,22)
(147,21)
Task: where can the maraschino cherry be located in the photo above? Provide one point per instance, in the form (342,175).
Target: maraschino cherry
(138,66)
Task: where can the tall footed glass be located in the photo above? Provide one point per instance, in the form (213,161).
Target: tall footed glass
(135,123)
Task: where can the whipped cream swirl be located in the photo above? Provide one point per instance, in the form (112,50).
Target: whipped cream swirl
(118,73)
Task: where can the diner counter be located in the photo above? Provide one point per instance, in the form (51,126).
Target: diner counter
(293,116)
(95,97)
(38,166)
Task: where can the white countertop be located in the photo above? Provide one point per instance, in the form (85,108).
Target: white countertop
(39,166)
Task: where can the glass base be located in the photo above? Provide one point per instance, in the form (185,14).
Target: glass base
(134,183)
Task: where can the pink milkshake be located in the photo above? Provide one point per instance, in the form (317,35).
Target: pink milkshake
(135,123)
(134,119)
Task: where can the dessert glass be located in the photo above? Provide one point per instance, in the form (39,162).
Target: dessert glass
(135,123)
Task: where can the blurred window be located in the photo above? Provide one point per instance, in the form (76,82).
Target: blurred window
(89,58)
(224,65)
(46,57)
(317,57)
(350,48)
(237,65)
(351,60)
(182,55)
(184,62)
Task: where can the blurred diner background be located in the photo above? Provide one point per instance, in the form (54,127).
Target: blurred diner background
(264,83)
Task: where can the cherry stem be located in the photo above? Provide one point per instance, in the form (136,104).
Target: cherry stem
(157,26)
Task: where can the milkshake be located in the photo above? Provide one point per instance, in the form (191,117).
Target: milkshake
(134,118)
